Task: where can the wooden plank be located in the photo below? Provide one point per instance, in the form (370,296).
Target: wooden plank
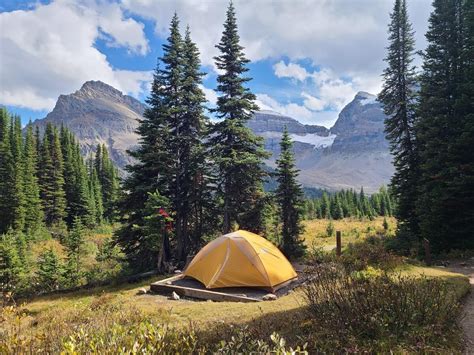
(164,286)
(283,284)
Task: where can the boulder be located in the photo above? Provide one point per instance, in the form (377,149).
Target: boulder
(174,296)
(269,297)
(141,291)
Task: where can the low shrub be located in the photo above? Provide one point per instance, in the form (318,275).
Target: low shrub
(370,252)
(353,309)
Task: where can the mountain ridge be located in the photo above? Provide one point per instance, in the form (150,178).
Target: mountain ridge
(350,154)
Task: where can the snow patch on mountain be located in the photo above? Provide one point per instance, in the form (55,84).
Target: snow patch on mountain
(314,139)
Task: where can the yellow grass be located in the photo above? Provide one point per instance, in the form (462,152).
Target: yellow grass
(352,230)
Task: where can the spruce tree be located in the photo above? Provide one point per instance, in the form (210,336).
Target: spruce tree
(191,193)
(238,153)
(32,203)
(155,166)
(51,177)
(7,174)
(50,271)
(18,197)
(10,262)
(289,196)
(460,186)
(437,129)
(74,245)
(108,179)
(398,98)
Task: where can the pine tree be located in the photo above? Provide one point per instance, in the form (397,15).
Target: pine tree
(32,203)
(49,271)
(10,262)
(461,158)
(51,177)
(74,245)
(437,129)
(155,166)
(18,198)
(108,179)
(289,197)
(187,135)
(398,99)
(7,174)
(238,153)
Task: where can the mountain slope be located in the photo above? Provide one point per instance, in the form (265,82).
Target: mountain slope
(99,113)
(353,153)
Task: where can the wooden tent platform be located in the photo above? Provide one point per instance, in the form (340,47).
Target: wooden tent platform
(188,287)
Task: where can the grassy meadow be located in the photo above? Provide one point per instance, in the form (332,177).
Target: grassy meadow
(84,318)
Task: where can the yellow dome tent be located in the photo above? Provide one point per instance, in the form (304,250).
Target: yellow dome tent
(241,259)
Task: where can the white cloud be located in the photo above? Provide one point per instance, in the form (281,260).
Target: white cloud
(211,95)
(290,70)
(298,112)
(49,50)
(348,36)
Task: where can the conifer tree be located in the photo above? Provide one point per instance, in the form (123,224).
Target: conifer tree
(154,167)
(398,99)
(32,203)
(108,179)
(51,177)
(7,174)
(192,173)
(460,186)
(49,270)
(289,197)
(437,129)
(18,197)
(10,262)
(238,153)
(74,245)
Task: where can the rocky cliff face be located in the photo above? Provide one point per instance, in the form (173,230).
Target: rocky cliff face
(353,153)
(99,113)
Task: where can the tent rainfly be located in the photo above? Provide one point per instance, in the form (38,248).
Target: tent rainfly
(241,259)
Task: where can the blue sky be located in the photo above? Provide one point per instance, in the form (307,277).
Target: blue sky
(309,57)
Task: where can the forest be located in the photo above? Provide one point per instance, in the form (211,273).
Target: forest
(69,222)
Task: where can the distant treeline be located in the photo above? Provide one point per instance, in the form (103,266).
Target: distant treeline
(45,182)
(349,203)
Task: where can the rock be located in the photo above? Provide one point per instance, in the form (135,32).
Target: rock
(174,296)
(99,113)
(168,282)
(269,297)
(141,291)
(177,271)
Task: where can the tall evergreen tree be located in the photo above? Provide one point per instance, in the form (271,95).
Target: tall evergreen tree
(108,179)
(7,174)
(461,185)
(154,167)
(289,197)
(18,197)
(52,178)
(237,151)
(32,203)
(398,99)
(437,128)
(191,173)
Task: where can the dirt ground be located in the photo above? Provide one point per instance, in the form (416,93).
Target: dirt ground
(467,322)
